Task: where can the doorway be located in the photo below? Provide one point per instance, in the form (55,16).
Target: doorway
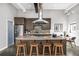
(10,33)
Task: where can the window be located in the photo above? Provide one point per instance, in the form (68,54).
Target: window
(73,27)
(58,27)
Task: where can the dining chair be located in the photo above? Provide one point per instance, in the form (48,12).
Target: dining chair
(72,40)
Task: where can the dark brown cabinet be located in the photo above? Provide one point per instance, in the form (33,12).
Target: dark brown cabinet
(48,25)
(28,23)
(19,20)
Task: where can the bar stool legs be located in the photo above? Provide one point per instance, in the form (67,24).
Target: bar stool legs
(37,50)
(31,49)
(55,50)
(58,49)
(43,50)
(18,51)
(24,51)
(50,50)
(49,47)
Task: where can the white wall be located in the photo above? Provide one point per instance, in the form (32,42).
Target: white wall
(7,12)
(73,17)
(57,16)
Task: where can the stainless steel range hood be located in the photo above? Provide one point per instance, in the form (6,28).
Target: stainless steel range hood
(40,16)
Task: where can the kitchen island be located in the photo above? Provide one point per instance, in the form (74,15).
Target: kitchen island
(40,40)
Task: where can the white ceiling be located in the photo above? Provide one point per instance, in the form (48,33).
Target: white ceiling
(28,5)
(46,6)
(56,5)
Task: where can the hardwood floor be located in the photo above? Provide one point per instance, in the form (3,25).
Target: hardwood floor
(8,52)
(11,51)
(72,51)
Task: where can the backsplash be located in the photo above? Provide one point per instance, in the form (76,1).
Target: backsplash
(38,29)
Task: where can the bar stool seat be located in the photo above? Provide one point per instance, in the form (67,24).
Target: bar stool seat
(48,44)
(34,44)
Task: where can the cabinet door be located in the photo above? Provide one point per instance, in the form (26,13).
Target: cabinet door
(29,24)
(48,25)
(19,20)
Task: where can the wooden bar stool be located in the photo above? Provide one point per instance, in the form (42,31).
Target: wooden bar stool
(33,45)
(20,49)
(58,48)
(48,45)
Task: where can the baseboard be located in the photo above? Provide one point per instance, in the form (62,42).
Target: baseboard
(6,47)
(11,44)
(3,48)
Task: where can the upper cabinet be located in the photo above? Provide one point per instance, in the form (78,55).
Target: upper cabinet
(28,23)
(48,25)
(19,20)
